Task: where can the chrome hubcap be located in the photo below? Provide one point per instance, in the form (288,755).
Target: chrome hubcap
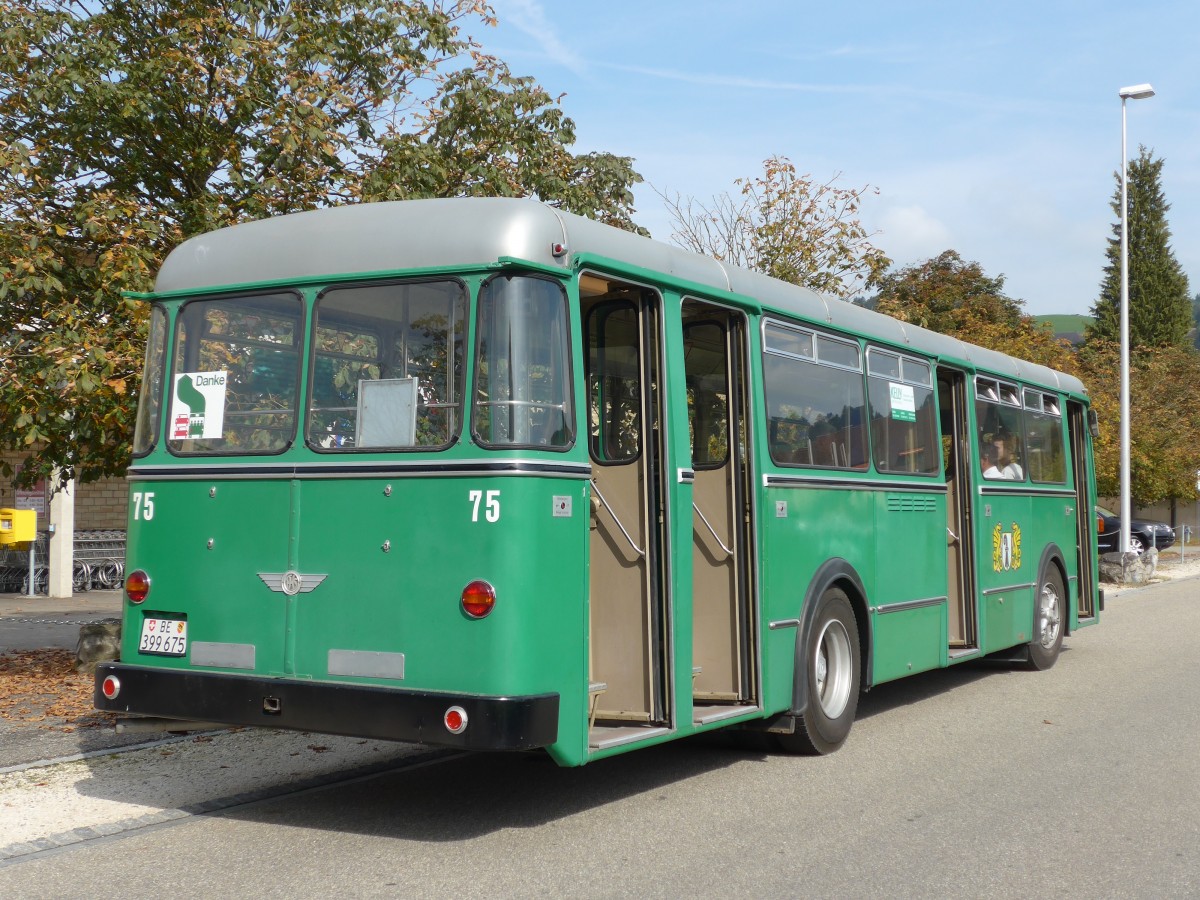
(833,669)
(1049,616)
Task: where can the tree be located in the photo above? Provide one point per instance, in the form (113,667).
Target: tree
(129,125)
(956,298)
(1164,420)
(952,296)
(786,226)
(1160,309)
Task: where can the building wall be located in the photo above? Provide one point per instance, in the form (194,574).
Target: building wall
(100,506)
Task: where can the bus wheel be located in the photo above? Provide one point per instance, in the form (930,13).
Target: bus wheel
(1047,621)
(832,662)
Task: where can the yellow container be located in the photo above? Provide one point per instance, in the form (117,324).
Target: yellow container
(17,526)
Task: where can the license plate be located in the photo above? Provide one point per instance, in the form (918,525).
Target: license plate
(164,637)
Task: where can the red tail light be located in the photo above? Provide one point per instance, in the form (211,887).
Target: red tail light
(478,599)
(137,586)
(111,686)
(455,720)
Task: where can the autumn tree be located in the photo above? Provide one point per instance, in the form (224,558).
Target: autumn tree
(1164,420)
(1160,307)
(953,296)
(785,225)
(129,125)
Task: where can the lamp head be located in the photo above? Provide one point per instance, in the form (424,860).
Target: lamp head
(1136,92)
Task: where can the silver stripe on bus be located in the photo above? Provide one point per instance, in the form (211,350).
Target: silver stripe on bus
(784,623)
(355,469)
(1025,491)
(1005,590)
(222,656)
(366,663)
(905,605)
(843,484)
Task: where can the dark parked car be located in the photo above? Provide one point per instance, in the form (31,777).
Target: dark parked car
(1141,534)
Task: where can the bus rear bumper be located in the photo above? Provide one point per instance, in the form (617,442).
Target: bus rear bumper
(382,713)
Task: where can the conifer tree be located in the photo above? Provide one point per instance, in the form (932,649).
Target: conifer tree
(1160,306)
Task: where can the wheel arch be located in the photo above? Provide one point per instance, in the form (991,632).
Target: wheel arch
(833,573)
(1052,555)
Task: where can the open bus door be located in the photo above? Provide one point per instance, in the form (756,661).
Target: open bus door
(724,674)
(630,542)
(1077,425)
(960,535)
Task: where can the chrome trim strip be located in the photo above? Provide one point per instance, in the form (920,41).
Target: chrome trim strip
(366,663)
(353,469)
(784,623)
(905,605)
(1022,491)
(1005,590)
(687,476)
(219,655)
(844,484)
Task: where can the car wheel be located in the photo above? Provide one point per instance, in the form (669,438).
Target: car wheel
(1047,621)
(831,659)
(1136,544)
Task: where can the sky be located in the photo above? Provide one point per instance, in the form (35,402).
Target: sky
(991,129)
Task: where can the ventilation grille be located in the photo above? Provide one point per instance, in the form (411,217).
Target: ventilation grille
(911,503)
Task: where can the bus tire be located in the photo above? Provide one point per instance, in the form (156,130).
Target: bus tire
(833,669)
(1048,611)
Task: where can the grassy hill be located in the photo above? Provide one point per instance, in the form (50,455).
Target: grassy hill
(1069,327)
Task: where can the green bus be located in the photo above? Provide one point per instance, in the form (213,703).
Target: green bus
(482,474)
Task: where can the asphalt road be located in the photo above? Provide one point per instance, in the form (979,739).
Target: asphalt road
(1083,781)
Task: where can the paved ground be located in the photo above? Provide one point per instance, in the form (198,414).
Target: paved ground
(29,623)
(34,623)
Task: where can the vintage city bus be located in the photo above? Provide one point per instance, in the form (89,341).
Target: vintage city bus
(481,474)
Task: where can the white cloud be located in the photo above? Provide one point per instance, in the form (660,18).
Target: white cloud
(910,234)
(529,17)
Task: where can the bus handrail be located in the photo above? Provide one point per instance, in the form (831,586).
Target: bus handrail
(637,549)
(712,531)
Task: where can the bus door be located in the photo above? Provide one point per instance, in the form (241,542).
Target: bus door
(1085,540)
(960,539)
(629,546)
(723,657)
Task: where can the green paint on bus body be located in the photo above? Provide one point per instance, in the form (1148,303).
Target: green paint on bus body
(389,553)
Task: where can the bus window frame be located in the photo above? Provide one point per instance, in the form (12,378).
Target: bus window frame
(1039,402)
(874,351)
(302,325)
(454,435)
(711,465)
(1003,394)
(612,306)
(159,315)
(570,414)
(816,335)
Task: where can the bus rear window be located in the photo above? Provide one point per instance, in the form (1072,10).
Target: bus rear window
(387,366)
(236,375)
(522,377)
(145,432)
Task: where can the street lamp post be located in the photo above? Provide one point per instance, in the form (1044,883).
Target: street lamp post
(1135,92)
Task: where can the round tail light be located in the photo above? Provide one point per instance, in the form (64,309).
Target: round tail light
(111,686)
(455,720)
(137,586)
(478,599)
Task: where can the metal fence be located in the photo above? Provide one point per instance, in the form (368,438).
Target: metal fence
(98,564)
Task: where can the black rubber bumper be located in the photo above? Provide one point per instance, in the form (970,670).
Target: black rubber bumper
(392,714)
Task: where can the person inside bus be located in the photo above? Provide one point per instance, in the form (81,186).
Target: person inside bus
(998,464)
(987,462)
